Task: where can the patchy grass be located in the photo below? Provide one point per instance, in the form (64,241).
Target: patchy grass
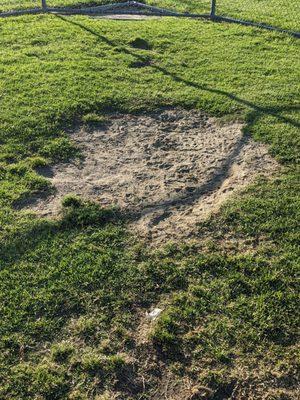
(74,291)
(71,295)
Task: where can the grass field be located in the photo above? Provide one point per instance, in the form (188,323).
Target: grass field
(286,16)
(74,291)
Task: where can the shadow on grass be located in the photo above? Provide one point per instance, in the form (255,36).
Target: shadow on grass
(92,216)
(217,178)
(75,217)
(256,110)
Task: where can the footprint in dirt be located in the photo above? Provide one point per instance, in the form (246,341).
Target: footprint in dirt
(143,170)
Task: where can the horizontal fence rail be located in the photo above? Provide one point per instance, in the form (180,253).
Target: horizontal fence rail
(269,14)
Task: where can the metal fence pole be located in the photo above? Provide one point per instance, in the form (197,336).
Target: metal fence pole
(44,4)
(213,9)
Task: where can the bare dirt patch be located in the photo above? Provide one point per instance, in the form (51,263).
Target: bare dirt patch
(127,17)
(169,170)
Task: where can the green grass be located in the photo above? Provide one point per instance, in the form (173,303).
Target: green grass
(273,12)
(74,290)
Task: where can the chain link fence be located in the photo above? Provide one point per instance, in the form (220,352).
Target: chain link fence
(277,13)
(284,15)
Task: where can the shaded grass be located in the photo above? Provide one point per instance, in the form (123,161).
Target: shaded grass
(71,294)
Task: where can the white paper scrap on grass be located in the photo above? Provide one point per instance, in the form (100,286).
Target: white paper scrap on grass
(154,313)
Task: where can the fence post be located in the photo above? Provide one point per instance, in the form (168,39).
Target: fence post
(44,4)
(213,9)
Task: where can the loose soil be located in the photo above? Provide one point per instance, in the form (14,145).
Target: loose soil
(167,170)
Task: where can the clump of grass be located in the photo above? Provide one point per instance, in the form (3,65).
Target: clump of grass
(86,327)
(19,169)
(37,162)
(45,380)
(36,183)
(71,200)
(59,149)
(94,119)
(81,213)
(60,352)
(104,366)
(93,363)
(165,334)
(140,43)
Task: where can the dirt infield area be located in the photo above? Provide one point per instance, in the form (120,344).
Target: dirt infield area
(168,169)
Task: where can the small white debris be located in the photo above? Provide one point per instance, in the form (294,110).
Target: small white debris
(154,313)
